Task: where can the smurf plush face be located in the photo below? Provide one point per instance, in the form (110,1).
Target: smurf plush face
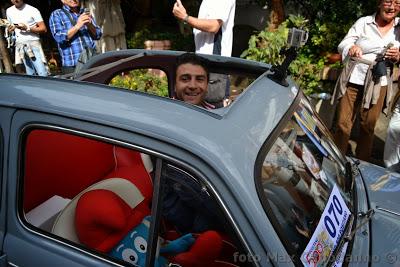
(133,246)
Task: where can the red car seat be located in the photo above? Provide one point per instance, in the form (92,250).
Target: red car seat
(63,164)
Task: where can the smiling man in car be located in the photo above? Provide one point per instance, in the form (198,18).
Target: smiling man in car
(191,80)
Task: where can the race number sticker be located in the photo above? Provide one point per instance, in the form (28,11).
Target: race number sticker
(328,232)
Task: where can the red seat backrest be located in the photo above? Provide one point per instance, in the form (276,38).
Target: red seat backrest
(64,164)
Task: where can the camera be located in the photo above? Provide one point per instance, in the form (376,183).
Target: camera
(297,37)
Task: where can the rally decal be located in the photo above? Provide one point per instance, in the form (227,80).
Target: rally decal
(328,232)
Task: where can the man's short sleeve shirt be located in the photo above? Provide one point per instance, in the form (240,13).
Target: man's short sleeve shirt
(212,9)
(28,15)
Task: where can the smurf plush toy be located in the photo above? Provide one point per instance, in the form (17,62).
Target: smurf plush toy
(116,220)
(133,247)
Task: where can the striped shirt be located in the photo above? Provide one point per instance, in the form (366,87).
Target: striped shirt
(207,105)
(70,49)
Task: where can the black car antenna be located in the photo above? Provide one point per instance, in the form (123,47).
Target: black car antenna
(296,39)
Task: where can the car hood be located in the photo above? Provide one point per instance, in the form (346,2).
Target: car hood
(383,189)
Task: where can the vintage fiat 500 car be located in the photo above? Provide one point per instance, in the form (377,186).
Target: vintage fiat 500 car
(96,175)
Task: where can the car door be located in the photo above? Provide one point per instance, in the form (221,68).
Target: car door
(23,244)
(5,118)
(43,247)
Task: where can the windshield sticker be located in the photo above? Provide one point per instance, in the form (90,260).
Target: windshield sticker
(311,163)
(323,177)
(306,122)
(309,119)
(328,232)
(311,134)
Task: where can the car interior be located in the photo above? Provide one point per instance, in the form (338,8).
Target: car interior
(93,193)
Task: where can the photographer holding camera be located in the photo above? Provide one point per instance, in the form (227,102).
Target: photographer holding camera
(74,30)
(369,50)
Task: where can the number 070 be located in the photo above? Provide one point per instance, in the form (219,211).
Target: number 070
(334,207)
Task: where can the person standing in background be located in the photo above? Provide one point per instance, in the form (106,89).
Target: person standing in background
(27,22)
(109,17)
(213,28)
(370,49)
(391,152)
(213,35)
(73,36)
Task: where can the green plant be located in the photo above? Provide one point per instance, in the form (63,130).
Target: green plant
(179,42)
(326,36)
(266,47)
(306,71)
(142,80)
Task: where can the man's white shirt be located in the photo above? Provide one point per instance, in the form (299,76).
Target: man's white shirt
(28,15)
(216,9)
(365,34)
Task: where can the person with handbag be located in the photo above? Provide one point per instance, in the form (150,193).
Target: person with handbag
(27,23)
(74,30)
(364,88)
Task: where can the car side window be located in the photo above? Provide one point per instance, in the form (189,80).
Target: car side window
(152,81)
(85,191)
(188,205)
(191,215)
(100,197)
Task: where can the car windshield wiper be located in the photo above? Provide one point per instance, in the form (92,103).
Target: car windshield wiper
(349,176)
(351,173)
(348,234)
(342,242)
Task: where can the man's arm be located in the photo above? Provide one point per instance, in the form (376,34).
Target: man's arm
(57,28)
(38,28)
(205,25)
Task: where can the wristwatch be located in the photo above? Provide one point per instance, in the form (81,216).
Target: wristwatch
(185,20)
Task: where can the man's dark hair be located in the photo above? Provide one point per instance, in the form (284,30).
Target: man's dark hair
(192,58)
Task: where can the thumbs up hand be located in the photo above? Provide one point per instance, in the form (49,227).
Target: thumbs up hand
(179,10)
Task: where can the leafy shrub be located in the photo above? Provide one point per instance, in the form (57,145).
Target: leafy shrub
(306,71)
(326,36)
(179,42)
(142,80)
(266,46)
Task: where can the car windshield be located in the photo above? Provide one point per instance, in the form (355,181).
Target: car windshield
(297,179)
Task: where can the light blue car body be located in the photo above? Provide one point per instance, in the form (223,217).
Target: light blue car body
(221,146)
